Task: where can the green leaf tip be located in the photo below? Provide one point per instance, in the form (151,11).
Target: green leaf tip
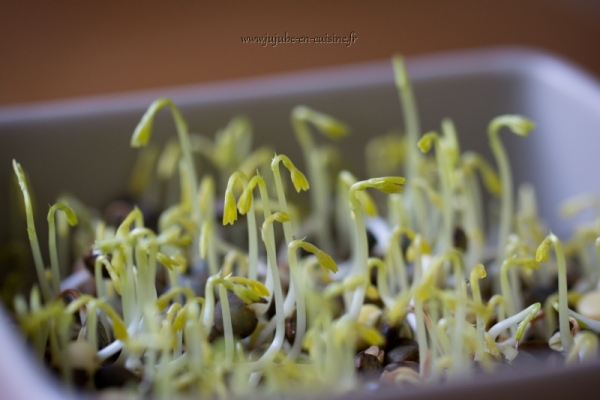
(71,216)
(518,124)
(400,73)
(143,130)
(229,209)
(326,124)
(298,179)
(427,140)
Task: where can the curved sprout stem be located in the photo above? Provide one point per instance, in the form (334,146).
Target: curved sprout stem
(72,220)
(296,291)
(32,234)
(301,117)
(227,327)
(412,130)
(520,126)
(510,293)
(478,272)
(444,166)
(275,346)
(386,185)
(563,312)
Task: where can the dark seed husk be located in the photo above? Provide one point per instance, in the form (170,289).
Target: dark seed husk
(114,376)
(243,319)
(460,239)
(409,364)
(405,350)
(368,365)
(101,335)
(290,328)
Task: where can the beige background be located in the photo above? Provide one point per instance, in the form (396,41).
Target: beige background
(59,49)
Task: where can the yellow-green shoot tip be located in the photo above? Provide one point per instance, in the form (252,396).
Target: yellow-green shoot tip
(516,123)
(71,216)
(229,208)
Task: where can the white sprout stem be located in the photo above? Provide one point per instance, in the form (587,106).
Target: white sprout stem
(446,190)
(186,151)
(252,231)
(193,348)
(92,325)
(563,303)
(208,310)
(300,304)
(506,210)
(501,326)
(591,324)
(278,294)
(585,348)
(420,214)
(510,294)
(319,194)
(128,298)
(460,364)
(418,262)
(362,254)
(252,244)
(110,350)
(382,283)
(288,229)
(473,220)
(410,115)
(398,259)
(32,234)
(347,235)
(227,327)
(476,292)
(64,324)
(266,206)
(142,288)
(54,265)
(421,334)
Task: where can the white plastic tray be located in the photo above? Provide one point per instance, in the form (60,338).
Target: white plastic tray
(82,146)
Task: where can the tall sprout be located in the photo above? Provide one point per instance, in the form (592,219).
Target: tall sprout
(72,220)
(386,185)
(32,234)
(563,310)
(302,118)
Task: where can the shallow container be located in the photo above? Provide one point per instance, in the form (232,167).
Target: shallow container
(81,146)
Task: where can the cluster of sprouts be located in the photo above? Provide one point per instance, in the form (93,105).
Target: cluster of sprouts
(260,295)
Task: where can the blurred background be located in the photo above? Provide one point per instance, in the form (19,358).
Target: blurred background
(61,49)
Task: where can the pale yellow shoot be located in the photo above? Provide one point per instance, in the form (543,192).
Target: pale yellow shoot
(206,194)
(326,124)
(229,208)
(279,216)
(298,179)
(168,160)
(205,236)
(351,283)
(256,286)
(518,124)
(71,216)
(143,131)
(163,301)
(364,332)
(245,200)
(323,258)
(491,180)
